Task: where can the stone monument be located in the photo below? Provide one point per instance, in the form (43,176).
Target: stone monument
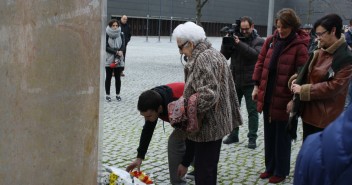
(50,53)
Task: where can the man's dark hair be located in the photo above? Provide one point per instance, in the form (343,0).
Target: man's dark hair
(149,100)
(329,22)
(248,19)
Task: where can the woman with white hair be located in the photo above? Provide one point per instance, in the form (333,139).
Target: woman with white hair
(207,73)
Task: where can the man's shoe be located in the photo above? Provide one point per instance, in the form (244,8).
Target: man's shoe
(108,99)
(230,139)
(252,144)
(276,179)
(265,175)
(118,98)
(190,175)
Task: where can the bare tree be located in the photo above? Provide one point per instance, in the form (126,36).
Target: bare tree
(339,6)
(310,10)
(199,6)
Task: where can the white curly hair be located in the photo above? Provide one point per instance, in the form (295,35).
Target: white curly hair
(189,31)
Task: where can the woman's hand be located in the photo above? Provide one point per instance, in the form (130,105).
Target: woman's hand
(135,164)
(255,93)
(289,106)
(296,89)
(182,170)
(119,53)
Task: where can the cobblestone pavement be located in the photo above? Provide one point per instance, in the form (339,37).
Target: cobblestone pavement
(153,63)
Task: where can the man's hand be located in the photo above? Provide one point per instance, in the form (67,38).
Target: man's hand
(255,93)
(135,164)
(237,40)
(182,170)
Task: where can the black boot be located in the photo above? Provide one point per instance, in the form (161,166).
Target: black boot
(232,138)
(252,144)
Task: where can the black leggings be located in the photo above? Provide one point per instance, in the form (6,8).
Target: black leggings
(117,74)
(206,159)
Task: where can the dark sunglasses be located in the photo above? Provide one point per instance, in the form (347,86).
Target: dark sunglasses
(182,45)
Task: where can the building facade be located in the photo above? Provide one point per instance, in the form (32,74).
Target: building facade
(154,17)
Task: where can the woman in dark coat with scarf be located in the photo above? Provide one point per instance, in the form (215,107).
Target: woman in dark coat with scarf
(281,56)
(115,45)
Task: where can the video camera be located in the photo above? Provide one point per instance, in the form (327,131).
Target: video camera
(235,29)
(231,32)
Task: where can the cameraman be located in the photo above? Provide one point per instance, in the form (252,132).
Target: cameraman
(244,53)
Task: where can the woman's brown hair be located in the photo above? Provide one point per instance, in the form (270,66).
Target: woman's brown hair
(112,21)
(288,18)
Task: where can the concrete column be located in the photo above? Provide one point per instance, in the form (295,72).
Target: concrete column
(269,30)
(50,53)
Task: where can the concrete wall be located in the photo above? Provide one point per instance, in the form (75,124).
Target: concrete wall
(227,11)
(223,11)
(49,78)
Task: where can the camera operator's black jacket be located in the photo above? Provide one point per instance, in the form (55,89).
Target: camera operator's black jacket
(243,55)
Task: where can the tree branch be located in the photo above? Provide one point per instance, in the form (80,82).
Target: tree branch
(203,3)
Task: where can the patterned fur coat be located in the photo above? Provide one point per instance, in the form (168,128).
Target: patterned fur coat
(208,74)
